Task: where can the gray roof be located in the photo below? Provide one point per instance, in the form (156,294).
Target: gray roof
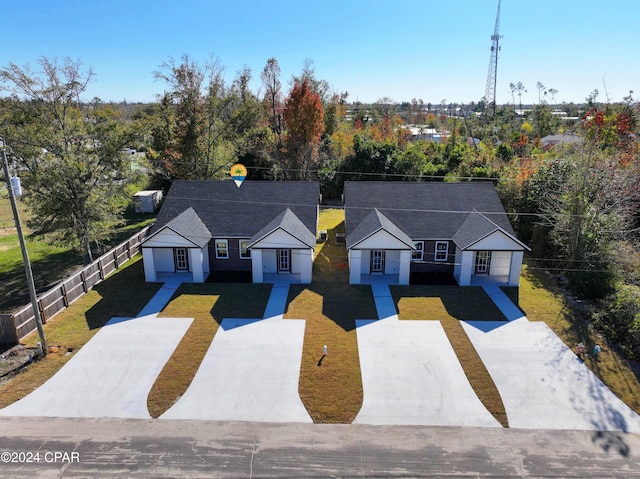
(289,223)
(188,225)
(372,223)
(228,211)
(474,228)
(423,210)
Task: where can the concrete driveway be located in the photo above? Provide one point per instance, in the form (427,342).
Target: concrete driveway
(542,383)
(412,376)
(111,375)
(410,373)
(250,372)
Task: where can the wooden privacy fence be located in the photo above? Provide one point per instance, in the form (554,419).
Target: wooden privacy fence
(14,327)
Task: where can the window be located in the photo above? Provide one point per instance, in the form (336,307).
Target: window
(244,248)
(222,249)
(442,250)
(417,254)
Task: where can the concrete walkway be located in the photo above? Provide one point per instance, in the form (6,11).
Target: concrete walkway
(410,373)
(251,370)
(112,374)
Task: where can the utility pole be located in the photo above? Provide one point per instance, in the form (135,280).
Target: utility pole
(23,247)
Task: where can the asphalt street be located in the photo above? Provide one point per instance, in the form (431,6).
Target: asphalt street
(137,448)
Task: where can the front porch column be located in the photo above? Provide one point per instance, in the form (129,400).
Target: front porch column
(355,266)
(405,267)
(306,265)
(149,265)
(256,265)
(466,268)
(195,259)
(516,267)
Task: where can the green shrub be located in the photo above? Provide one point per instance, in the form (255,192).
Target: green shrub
(618,317)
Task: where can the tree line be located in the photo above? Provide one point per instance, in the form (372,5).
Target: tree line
(576,205)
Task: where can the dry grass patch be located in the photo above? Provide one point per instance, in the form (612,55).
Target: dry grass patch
(450,305)
(70,329)
(331,389)
(542,300)
(208,304)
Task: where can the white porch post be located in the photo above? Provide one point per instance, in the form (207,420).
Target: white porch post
(466,268)
(149,266)
(405,267)
(195,258)
(256,265)
(516,267)
(354,266)
(306,265)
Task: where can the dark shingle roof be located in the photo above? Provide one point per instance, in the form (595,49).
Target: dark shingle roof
(372,223)
(423,210)
(291,224)
(189,225)
(231,212)
(474,228)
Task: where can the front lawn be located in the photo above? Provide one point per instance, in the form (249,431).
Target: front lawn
(331,387)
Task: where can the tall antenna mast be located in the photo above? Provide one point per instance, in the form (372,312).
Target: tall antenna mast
(492,75)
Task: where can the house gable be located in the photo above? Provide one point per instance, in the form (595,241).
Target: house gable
(284,231)
(168,238)
(496,241)
(382,239)
(185,230)
(377,229)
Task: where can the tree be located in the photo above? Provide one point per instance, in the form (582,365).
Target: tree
(70,152)
(304,120)
(273,95)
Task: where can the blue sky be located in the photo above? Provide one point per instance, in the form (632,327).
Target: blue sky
(401,49)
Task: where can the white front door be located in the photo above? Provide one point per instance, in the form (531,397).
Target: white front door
(377,261)
(483,262)
(181,259)
(284,261)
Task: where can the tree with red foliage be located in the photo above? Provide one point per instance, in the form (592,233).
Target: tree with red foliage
(304,121)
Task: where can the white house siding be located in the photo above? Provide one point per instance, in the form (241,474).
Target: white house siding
(392,262)
(496,241)
(279,239)
(381,240)
(163,260)
(167,237)
(500,263)
(269,261)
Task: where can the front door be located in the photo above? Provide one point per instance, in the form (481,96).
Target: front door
(284,261)
(483,262)
(377,261)
(181,259)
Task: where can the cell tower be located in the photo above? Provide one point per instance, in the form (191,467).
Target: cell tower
(492,75)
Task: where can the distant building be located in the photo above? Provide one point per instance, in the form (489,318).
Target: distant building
(554,140)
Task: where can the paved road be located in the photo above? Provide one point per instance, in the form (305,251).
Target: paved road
(154,448)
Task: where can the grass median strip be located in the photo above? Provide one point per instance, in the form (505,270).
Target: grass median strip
(208,304)
(331,387)
(450,305)
(72,328)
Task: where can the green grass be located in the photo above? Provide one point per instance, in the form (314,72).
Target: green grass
(450,305)
(541,300)
(208,304)
(70,329)
(49,263)
(332,390)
